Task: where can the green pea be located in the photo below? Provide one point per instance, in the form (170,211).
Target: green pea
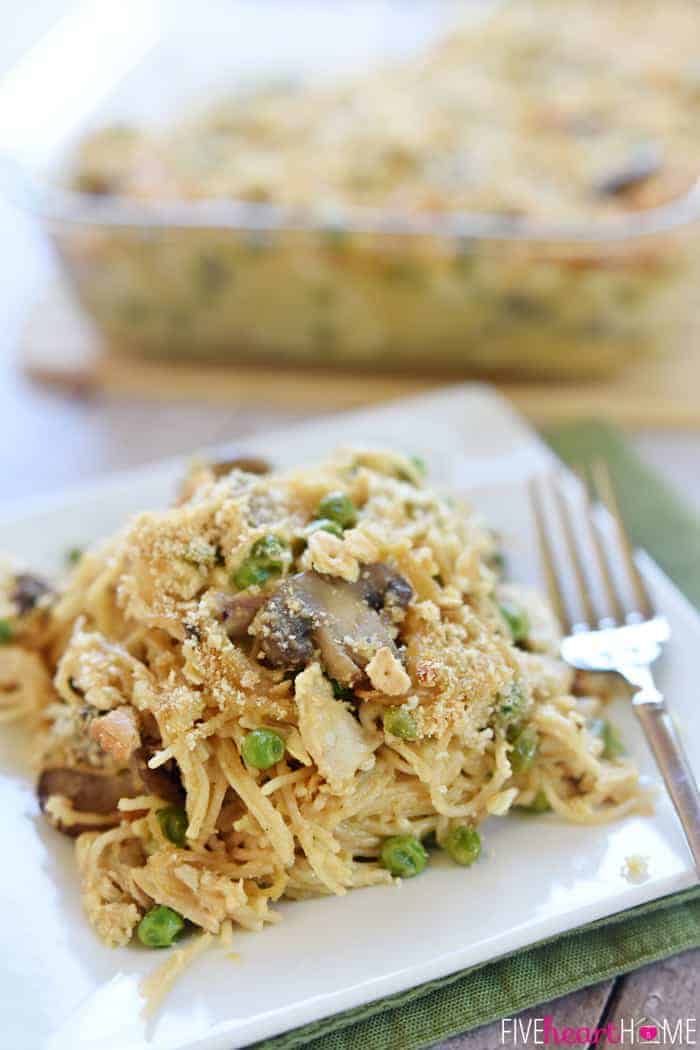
(342,692)
(173,824)
(404,856)
(262,748)
(160,927)
(250,574)
(5,632)
(267,558)
(524,749)
(324,525)
(518,621)
(420,465)
(539,804)
(612,744)
(73,555)
(270,551)
(511,705)
(339,508)
(463,844)
(400,722)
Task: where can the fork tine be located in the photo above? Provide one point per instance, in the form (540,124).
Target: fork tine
(608,497)
(597,545)
(574,554)
(556,594)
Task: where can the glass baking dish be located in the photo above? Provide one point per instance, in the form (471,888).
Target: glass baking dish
(354,286)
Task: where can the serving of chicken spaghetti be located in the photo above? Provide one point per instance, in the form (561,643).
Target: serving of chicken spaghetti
(289,684)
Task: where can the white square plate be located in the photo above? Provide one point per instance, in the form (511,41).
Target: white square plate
(60,988)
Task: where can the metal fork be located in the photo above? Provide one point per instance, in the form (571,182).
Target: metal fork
(609,632)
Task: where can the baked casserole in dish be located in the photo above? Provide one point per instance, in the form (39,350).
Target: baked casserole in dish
(500,189)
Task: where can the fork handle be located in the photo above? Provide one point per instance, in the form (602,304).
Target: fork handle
(674,766)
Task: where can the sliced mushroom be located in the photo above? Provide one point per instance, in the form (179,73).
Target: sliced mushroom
(350,632)
(336,659)
(88,791)
(98,791)
(383,587)
(237,611)
(27,591)
(285,624)
(340,619)
(163,782)
(249,464)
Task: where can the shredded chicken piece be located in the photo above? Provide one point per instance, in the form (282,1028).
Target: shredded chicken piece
(117,733)
(329,554)
(387,674)
(335,740)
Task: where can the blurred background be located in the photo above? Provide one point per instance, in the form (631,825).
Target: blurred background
(222,216)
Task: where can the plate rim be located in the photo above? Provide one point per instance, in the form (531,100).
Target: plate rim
(231,1032)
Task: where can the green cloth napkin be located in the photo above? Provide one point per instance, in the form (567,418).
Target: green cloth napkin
(661,523)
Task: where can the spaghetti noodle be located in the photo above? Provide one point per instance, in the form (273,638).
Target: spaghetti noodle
(262,691)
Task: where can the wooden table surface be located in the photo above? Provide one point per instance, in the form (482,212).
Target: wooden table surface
(48,440)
